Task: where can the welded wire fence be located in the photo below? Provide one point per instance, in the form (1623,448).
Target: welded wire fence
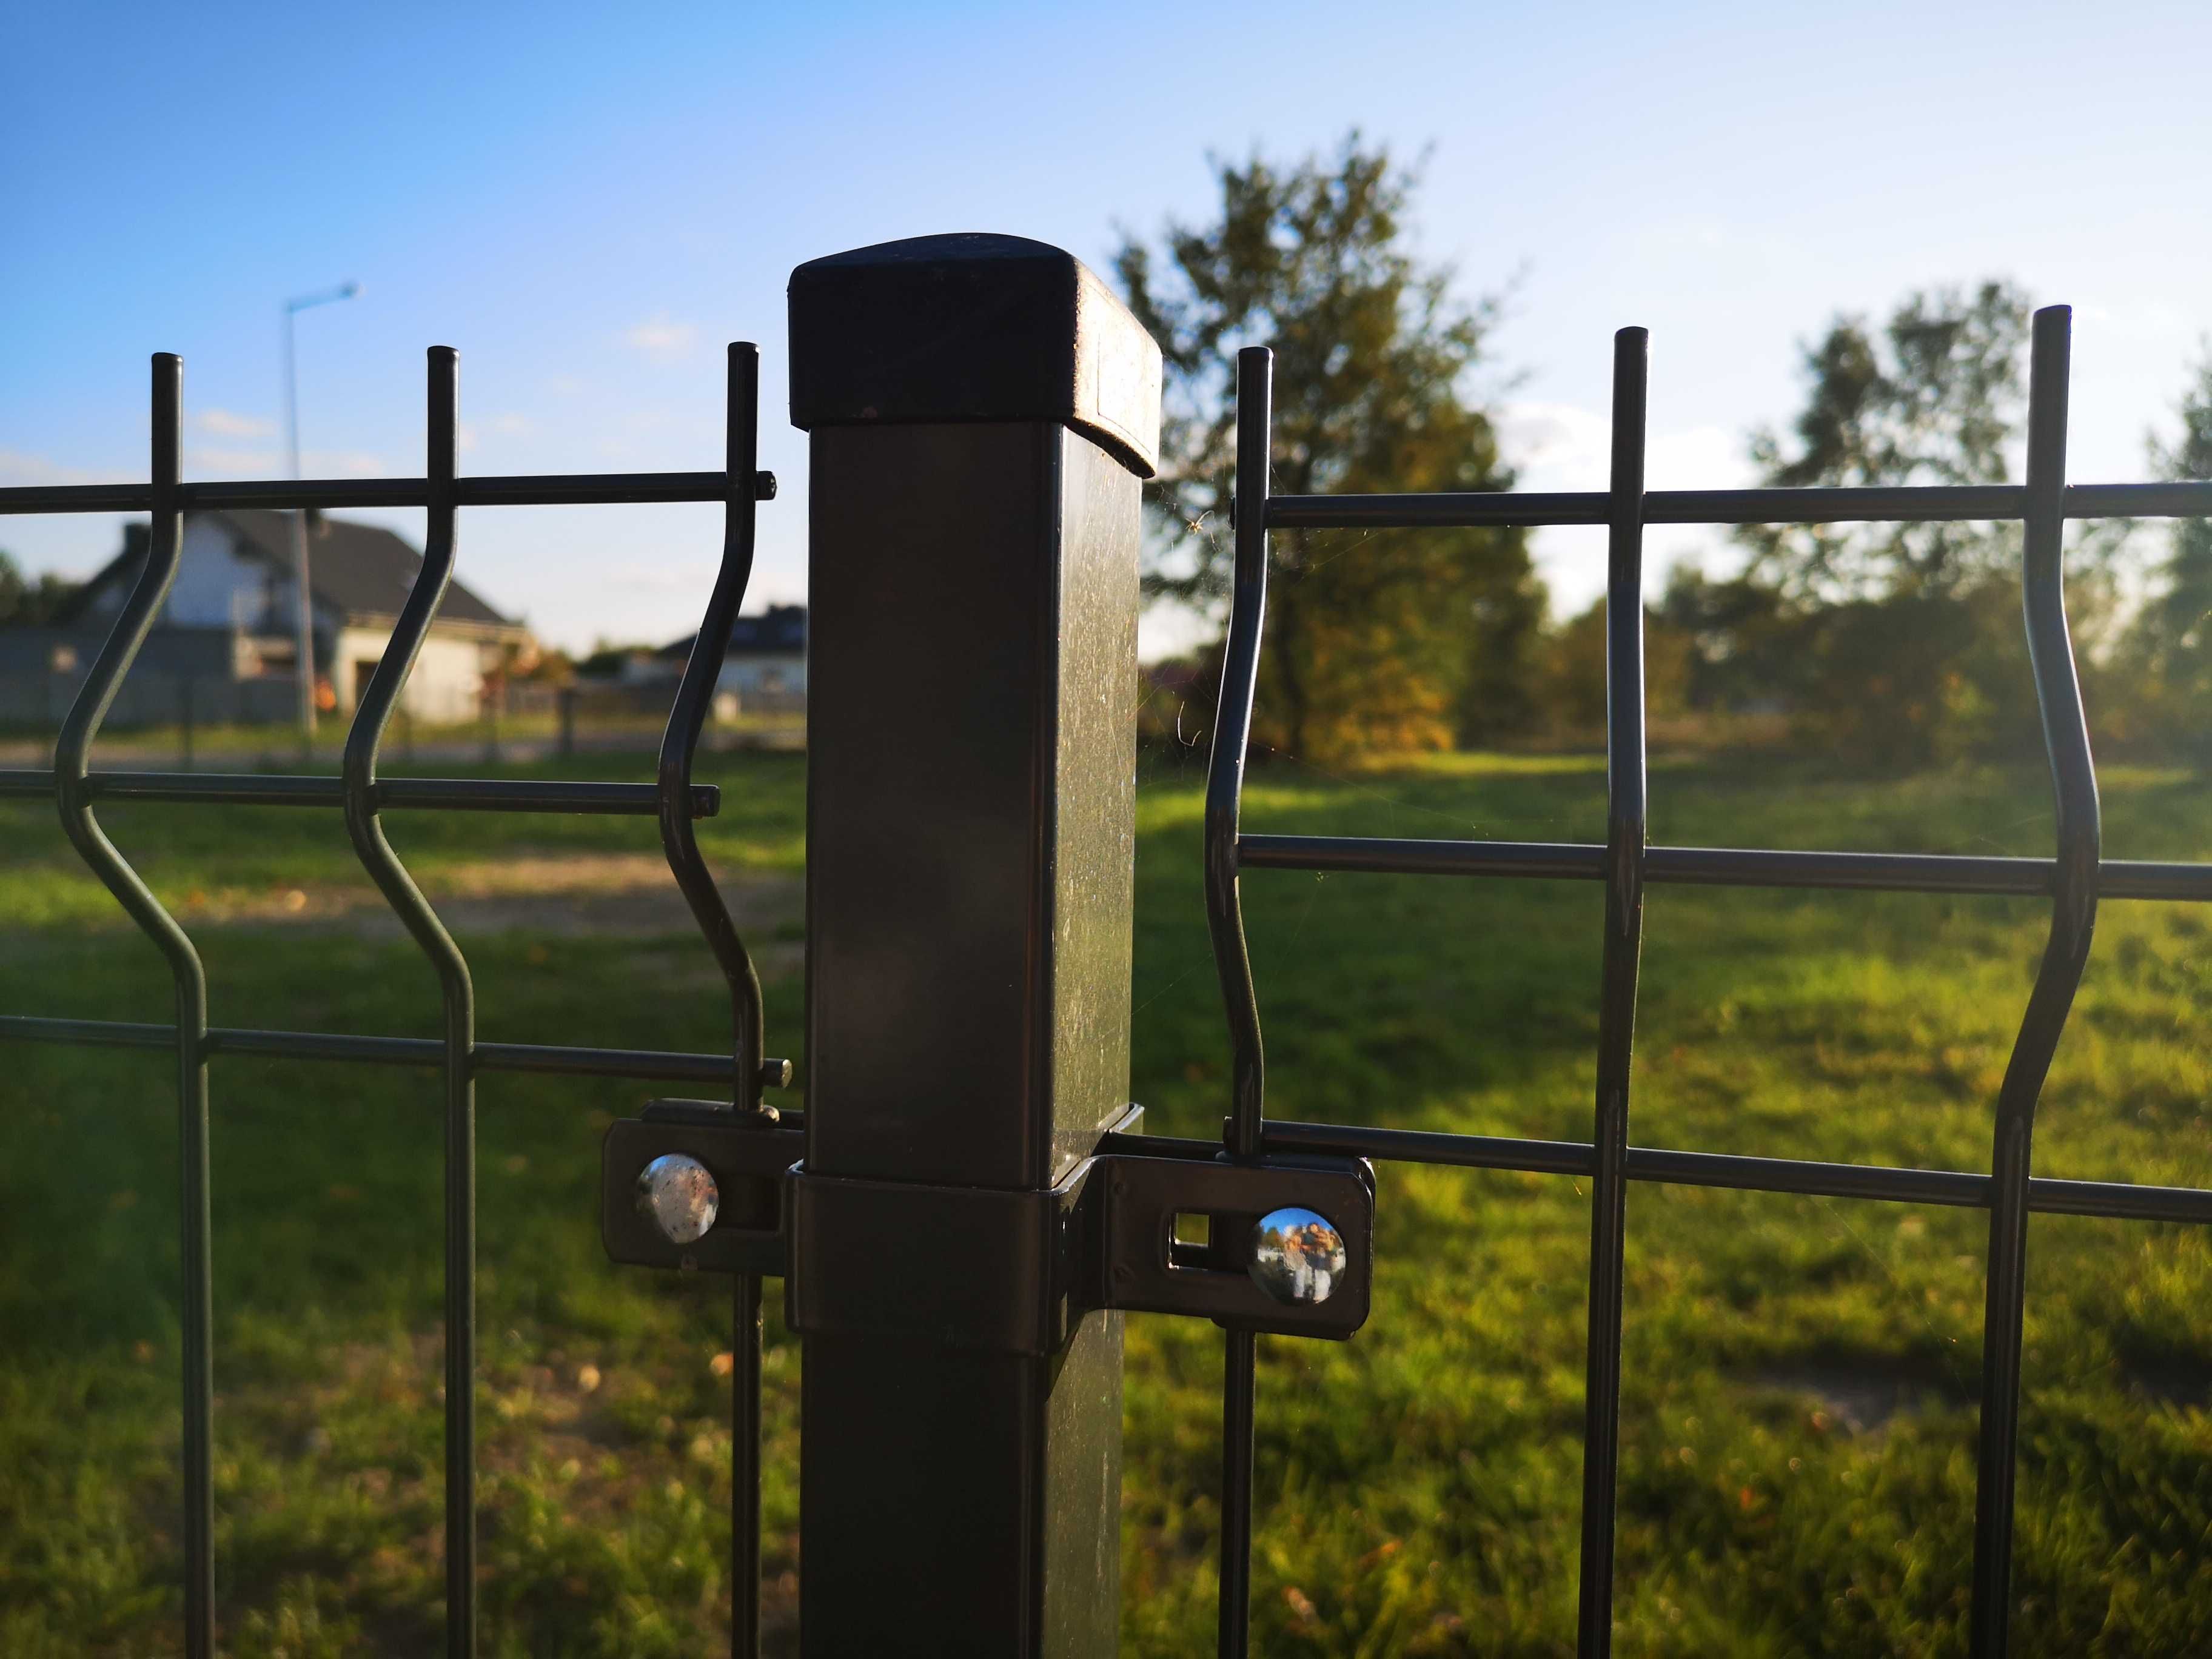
(2075,879)
(363,796)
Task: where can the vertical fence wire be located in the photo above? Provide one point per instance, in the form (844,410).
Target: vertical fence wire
(2073,916)
(749,1071)
(1623,939)
(457,995)
(687,718)
(72,773)
(745,1466)
(1225,920)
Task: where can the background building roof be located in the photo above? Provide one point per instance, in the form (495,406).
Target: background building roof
(361,569)
(779,631)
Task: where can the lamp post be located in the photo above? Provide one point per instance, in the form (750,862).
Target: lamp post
(304,607)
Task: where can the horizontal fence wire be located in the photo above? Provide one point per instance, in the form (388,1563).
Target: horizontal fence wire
(1902,503)
(361,795)
(545,489)
(1722,866)
(385,794)
(639,1065)
(1958,1189)
(2073,882)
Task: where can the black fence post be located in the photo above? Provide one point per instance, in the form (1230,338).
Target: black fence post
(982,411)
(565,704)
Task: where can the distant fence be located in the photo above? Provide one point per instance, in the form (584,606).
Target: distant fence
(185,675)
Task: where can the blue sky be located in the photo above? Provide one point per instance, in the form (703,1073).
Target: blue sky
(588,202)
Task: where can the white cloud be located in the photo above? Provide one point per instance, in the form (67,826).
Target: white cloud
(661,336)
(1565,446)
(225,424)
(31,471)
(1697,458)
(472,433)
(688,576)
(245,463)
(265,463)
(1555,445)
(345,464)
(2145,319)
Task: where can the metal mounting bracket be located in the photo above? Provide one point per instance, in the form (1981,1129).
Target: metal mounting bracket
(747,1157)
(997,1270)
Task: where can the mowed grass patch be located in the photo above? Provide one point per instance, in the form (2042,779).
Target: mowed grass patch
(1798,1425)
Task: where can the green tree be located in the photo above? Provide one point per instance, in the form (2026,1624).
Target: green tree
(1574,682)
(26,604)
(1938,406)
(1373,643)
(1901,642)
(2170,644)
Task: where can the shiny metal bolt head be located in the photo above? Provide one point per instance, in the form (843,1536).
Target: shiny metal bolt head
(679,1196)
(1298,1256)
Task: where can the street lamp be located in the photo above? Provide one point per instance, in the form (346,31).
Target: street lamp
(304,647)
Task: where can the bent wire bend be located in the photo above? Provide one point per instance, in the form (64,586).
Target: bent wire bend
(749,1071)
(73,795)
(457,995)
(1232,960)
(679,746)
(1626,795)
(1232,731)
(2074,918)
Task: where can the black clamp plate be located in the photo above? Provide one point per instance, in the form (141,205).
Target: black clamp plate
(1003,1270)
(968,1267)
(1143,1270)
(747,1158)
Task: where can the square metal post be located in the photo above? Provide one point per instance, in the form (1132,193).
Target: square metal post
(982,411)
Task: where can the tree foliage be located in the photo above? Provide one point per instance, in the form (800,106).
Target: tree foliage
(2170,645)
(1934,398)
(2159,679)
(28,604)
(1374,643)
(1894,643)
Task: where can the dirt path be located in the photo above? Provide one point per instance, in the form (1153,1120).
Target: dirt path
(570,895)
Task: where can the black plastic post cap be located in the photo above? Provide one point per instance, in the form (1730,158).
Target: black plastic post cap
(971,327)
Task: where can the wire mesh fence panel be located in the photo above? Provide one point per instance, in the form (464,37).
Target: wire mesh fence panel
(838,1225)
(2075,879)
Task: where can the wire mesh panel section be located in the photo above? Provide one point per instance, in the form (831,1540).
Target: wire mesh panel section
(361,796)
(2074,880)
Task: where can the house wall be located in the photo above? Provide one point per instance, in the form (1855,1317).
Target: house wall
(763,676)
(218,587)
(446,687)
(180,671)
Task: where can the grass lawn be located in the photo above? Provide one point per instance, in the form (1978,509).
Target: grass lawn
(1798,1424)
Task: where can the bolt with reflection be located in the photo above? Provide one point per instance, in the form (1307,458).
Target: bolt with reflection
(1298,1256)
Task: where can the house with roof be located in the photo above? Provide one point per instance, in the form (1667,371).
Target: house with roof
(224,649)
(763,671)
